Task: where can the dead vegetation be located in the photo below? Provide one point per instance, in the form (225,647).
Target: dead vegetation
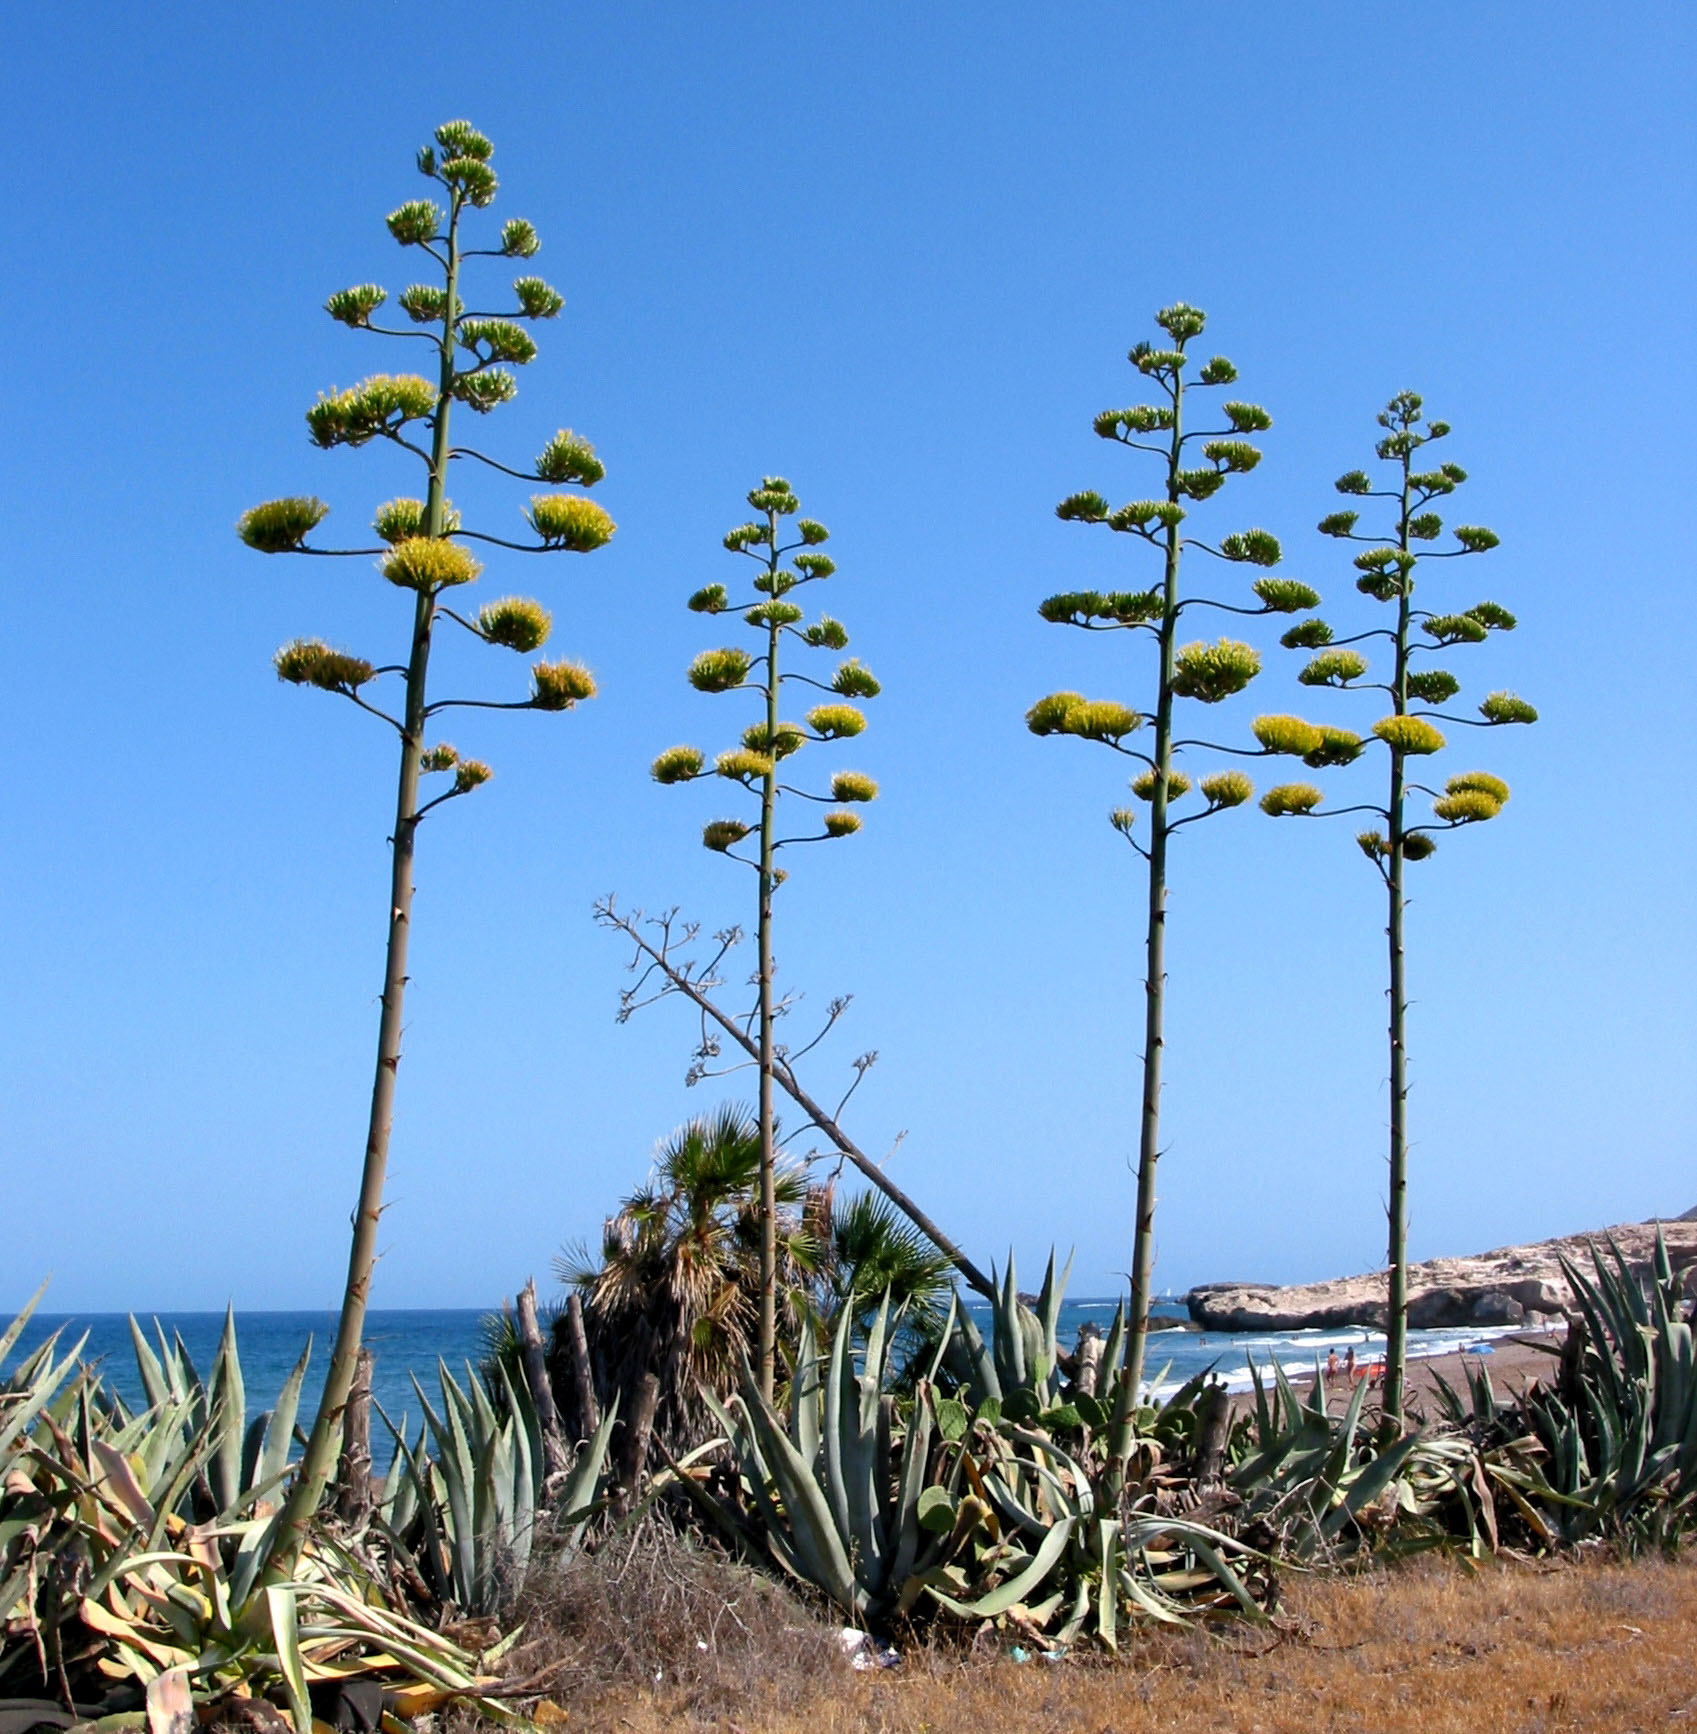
(1600,1646)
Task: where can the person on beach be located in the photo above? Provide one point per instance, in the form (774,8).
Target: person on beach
(1332,1364)
(1349,1362)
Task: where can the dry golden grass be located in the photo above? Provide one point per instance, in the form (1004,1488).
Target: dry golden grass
(1596,1646)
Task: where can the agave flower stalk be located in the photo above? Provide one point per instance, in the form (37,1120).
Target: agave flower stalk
(754,767)
(1386,572)
(1198,463)
(421,545)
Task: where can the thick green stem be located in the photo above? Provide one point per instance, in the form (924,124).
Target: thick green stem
(1154,985)
(324,1443)
(1396,1209)
(768,1327)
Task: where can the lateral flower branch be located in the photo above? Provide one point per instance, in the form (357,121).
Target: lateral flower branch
(421,550)
(1198,464)
(758,767)
(1386,572)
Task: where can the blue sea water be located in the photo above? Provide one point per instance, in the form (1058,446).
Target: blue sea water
(408,1343)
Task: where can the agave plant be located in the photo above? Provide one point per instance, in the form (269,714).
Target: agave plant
(943,1510)
(471,1514)
(136,1546)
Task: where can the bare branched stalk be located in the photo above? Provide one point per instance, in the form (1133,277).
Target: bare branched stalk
(422,549)
(658,957)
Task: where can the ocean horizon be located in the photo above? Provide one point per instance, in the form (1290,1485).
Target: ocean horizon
(408,1344)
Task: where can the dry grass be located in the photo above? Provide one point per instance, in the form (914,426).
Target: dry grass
(1507,1649)
(654,1613)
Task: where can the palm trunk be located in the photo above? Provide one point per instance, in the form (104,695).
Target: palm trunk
(1154,991)
(320,1457)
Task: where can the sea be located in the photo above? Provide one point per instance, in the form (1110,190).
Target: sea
(410,1344)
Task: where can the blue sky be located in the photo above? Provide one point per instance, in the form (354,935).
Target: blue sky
(898,255)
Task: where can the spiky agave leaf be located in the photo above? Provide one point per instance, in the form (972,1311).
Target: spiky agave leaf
(281,526)
(516,622)
(560,685)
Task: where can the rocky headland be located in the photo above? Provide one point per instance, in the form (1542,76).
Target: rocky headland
(1513,1285)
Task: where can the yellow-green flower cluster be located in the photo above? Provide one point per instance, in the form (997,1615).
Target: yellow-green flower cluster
(677,765)
(1212,672)
(560,685)
(1143,785)
(1287,734)
(1227,789)
(281,526)
(1290,798)
(516,622)
(382,404)
(1409,734)
(311,662)
(429,563)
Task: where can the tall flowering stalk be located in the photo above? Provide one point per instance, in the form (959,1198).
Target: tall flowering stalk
(1386,572)
(755,767)
(1197,464)
(422,551)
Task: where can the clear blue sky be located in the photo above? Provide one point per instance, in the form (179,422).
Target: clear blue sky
(897,254)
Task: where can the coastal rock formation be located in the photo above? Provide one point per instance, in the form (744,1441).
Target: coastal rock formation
(1510,1286)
